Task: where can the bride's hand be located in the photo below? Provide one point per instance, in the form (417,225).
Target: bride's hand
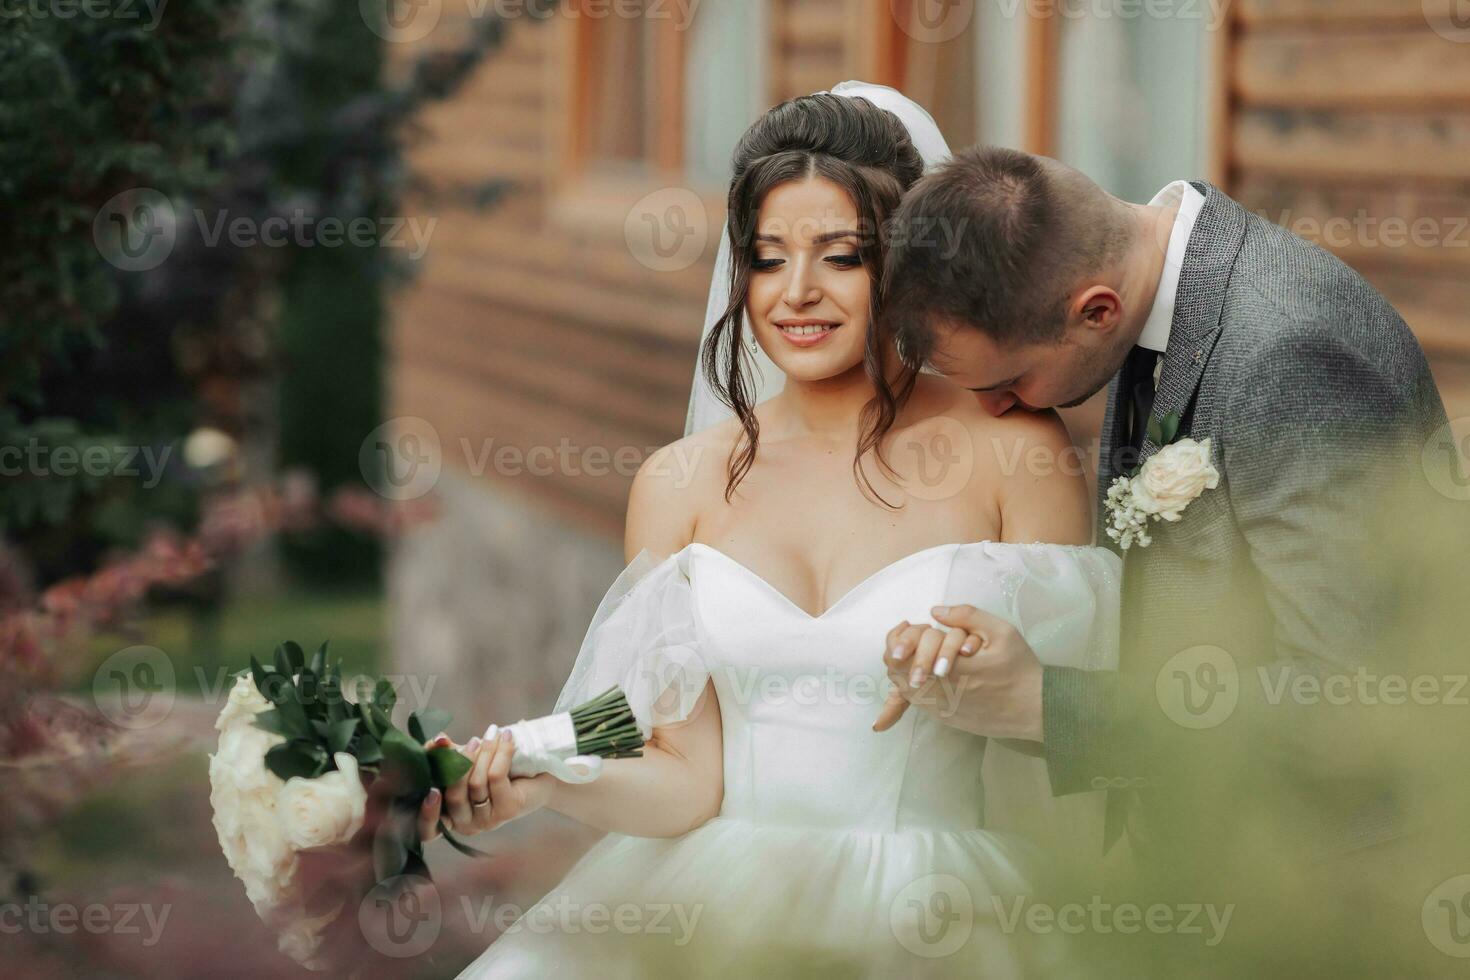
(487,797)
(975,672)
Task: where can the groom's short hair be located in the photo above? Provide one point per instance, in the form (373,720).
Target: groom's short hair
(995,239)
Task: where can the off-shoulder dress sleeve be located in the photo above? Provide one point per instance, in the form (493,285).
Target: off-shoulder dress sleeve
(643,639)
(1063,598)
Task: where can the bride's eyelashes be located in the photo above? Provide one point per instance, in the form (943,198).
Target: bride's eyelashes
(852,261)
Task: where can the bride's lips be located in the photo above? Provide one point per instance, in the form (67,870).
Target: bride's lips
(806,333)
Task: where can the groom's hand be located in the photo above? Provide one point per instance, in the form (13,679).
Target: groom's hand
(976,673)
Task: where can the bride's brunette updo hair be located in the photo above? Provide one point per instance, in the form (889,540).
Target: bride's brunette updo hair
(867,152)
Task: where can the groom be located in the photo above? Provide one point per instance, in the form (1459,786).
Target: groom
(1303,389)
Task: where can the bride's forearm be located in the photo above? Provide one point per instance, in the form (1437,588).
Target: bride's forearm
(676,785)
(663,793)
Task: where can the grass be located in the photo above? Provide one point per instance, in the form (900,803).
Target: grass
(206,647)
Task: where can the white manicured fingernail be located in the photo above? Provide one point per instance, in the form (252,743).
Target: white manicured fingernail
(900,651)
(941,667)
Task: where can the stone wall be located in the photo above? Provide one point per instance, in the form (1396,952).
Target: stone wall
(488,605)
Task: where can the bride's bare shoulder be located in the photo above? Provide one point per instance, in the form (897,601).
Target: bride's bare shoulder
(1021,464)
(673,486)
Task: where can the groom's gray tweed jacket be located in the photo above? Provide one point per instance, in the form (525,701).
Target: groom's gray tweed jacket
(1319,405)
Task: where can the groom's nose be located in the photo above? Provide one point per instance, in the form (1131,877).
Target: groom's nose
(996,402)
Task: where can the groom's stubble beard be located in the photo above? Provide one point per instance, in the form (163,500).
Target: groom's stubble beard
(1108,364)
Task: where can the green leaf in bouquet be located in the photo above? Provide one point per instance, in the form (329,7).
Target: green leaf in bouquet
(336,705)
(381,719)
(293,714)
(339,734)
(449,765)
(295,758)
(384,696)
(319,661)
(406,764)
(365,714)
(415,865)
(295,657)
(310,686)
(390,852)
(283,663)
(458,844)
(369,752)
(270,685)
(271,721)
(435,720)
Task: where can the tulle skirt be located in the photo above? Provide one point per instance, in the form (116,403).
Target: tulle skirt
(735,898)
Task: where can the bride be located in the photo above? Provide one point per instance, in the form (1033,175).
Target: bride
(768,828)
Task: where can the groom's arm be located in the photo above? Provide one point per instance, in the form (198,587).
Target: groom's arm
(1321,458)
(1319,462)
(1079,709)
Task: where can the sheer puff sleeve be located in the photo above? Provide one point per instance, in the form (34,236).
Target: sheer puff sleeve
(644,640)
(1063,598)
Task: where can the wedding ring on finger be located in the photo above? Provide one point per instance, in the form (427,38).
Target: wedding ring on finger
(474,805)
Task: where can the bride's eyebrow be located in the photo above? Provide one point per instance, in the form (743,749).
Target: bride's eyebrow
(822,239)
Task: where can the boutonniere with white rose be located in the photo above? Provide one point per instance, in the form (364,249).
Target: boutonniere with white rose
(1168,482)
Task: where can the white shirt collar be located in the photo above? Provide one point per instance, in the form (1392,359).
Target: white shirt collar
(1183,195)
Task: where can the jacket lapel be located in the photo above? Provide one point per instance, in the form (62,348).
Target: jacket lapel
(1204,277)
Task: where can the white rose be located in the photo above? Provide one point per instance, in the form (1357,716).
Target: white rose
(243,796)
(1173,477)
(325,810)
(243,704)
(301,938)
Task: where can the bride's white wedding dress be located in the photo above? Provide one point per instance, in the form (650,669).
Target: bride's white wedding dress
(838,850)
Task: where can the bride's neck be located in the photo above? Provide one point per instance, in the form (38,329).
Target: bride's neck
(829,407)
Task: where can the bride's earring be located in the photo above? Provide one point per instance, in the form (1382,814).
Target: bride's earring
(754,347)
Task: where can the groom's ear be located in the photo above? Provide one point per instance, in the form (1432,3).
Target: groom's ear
(1096,308)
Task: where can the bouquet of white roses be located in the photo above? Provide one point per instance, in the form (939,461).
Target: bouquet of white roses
(316,796)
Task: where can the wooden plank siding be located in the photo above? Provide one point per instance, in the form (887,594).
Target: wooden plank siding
(1348,121)
(533,324)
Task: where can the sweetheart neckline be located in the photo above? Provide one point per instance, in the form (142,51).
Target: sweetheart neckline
(817,617)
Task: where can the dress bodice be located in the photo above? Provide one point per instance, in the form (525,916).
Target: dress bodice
(798,693)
